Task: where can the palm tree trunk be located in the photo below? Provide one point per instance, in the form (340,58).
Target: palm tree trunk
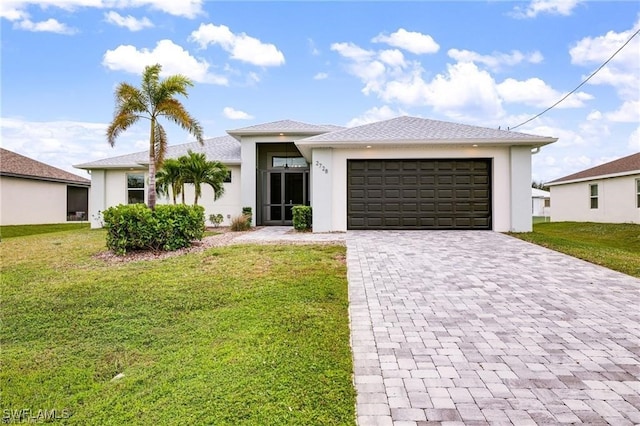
(151,198)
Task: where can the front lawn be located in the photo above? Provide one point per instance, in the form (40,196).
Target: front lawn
(11,231)
(254,335)
(616,246)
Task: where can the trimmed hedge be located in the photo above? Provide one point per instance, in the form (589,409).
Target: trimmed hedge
(137,227)
(301,218)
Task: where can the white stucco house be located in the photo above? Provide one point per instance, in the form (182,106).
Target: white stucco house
(607,193)
(540,202)
(33,193)
(402,173)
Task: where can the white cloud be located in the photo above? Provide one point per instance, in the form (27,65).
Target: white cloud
(18,9)
(594,115)
(629,112)
(623,72)
(536,92)
(392,57)
(242,47)
(375,114)
(321,76)
(566,137)
(463,91)
(634,139)
(49,26)
(64,143)
(129,22)
(235,114)
(551,7)
(410,41)
(352,51)
(497,60)
(173,58)
(312,47)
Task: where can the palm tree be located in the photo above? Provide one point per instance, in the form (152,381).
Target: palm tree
(169,177)
(154,99)
(198,171)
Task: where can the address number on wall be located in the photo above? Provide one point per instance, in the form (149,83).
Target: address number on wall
(322,167)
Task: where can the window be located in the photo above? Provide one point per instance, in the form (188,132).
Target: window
(547,202)
(638,193)
(287,162)
(227,178)
(135,188)
(593,192)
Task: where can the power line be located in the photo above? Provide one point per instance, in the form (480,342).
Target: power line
(580,85)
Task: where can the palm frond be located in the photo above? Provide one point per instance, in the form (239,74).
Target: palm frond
(119,124)
(174,111)
(159,143)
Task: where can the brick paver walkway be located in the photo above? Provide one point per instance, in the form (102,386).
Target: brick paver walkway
(480,328)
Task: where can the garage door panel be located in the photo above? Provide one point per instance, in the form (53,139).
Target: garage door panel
(419,194)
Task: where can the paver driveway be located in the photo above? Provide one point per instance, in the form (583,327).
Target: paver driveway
(478,327)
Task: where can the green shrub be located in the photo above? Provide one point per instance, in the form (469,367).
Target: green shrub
(301,218)
(216,219)
(247,212)
(137,227)
(240,223)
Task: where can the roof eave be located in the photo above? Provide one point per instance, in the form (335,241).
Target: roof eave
(89,166)
(237,134)
(86,183)
(597,177)
(385,142)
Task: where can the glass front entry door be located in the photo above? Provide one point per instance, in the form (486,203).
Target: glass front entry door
(282,190)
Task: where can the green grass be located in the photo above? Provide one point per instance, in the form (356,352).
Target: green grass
(241,335)
(540,219)
(11,231)
(616,246)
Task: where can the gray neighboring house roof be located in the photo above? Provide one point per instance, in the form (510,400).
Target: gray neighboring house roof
(15,165)
(284,127)
(224,149)
(415,129)
(621,167)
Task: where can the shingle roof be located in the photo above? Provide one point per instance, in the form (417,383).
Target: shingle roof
(15,165)
(625,165)
(421,129)
(284,126)
(224,149)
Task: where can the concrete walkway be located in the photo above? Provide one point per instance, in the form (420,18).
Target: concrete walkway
(455,327)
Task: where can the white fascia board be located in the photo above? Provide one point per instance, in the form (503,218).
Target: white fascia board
(301,144)
(599,177)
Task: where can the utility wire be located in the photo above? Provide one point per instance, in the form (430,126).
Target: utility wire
(580,85)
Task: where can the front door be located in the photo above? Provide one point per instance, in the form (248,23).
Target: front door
(281,191)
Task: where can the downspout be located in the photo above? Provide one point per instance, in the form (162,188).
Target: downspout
(535,150)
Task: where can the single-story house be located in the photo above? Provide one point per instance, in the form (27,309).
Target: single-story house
(402,173)
(540,202)
(36,193)
(609,193)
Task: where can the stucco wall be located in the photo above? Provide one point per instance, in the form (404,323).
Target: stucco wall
(29,202)
(616,201)
(332,185)
(109,188)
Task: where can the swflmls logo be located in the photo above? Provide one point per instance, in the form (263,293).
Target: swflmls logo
(27,415)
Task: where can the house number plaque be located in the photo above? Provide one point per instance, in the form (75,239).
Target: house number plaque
(322,167)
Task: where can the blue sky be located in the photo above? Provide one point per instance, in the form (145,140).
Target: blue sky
(492,63)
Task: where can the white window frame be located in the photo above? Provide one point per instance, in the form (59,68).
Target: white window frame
(593,196)
(638,193)
(135,188)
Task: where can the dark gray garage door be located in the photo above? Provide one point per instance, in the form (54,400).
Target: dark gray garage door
(419,194)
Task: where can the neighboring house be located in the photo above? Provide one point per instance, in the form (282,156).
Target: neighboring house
(540,202)
(403,173)
(609,193)
(32,192)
